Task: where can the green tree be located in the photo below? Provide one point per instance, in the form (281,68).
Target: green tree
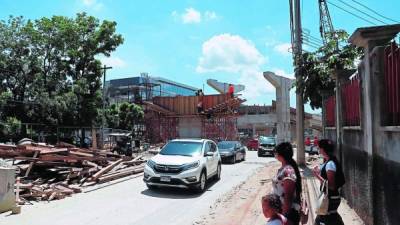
(125,116)
(49,67)
(317,67)
(11,129)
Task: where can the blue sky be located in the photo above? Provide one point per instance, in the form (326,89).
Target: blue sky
(191,41)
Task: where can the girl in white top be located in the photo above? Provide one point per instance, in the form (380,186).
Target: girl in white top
(332,172)
(272,208)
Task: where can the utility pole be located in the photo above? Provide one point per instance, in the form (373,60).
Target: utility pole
(297,57)
(103,120)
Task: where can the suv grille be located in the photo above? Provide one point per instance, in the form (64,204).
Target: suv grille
(268,145)
(167,168)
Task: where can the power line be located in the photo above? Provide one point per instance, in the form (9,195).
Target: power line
(395,21)
(358,10)
(311,45)
(351,13)
(312,42)
(312,38)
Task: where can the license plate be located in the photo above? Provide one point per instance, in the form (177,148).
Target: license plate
(165,179)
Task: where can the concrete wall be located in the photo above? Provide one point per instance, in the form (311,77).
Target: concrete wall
(385,151)
(264,124)
(7,197)
(370,153)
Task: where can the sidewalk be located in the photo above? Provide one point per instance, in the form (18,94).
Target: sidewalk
(311,192)
(242,205)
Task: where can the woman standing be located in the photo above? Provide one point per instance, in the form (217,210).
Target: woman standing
(287,183)
(332,172)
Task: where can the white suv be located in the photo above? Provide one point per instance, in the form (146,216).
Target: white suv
(184,163)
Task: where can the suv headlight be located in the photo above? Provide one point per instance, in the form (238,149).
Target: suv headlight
(191,165)
(151,163)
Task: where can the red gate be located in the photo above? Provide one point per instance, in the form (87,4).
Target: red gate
(351,102)
(330,108)
(391,114)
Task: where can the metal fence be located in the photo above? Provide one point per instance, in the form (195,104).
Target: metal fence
(351,102)
(391,109)
(330,108)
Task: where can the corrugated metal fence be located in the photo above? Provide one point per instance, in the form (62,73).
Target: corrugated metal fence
(392,86)
(330,108)
(351,102)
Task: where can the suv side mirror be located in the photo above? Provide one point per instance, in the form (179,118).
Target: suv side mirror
(209,153)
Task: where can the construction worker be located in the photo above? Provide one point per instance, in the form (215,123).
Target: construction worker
(231,90)
(200,108)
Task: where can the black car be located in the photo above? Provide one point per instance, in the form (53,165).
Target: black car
(232,151)
(267,145)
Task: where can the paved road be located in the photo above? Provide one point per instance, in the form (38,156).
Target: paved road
(131,203)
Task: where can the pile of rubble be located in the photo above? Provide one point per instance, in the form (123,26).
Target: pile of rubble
(47,172)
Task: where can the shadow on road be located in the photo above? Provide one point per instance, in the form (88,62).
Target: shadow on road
(176,193)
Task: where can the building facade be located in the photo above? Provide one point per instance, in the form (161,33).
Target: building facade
(144,88)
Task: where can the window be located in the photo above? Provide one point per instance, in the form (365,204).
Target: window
(182,148)
(213,147)
(207,147)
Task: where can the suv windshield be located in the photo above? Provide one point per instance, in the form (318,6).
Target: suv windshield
(226,145)
(182,148)
(267,140)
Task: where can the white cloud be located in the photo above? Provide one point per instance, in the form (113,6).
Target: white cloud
(191,16)
(229,53)
(115,62)
(283,73)
(88,2)
(210,15)
(255,83)
(93,4)
(233,54)
(283,49)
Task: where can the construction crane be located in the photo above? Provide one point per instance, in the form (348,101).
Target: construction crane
(325,24)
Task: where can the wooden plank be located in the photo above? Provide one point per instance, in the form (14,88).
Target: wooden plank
(69,158)
(54,151)
(120,175)
(64,190)
(133,161)
(80,154)
(128,169)
(33,148)
(31,164)
(89,163)
(106,169)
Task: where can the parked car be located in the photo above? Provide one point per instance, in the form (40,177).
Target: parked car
(184,163)
(267,146)
(253,144)
(232,151)
(311,146)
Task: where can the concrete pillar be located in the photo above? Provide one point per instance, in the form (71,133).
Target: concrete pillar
(282,85)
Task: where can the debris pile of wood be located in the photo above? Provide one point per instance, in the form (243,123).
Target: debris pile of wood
(54,172)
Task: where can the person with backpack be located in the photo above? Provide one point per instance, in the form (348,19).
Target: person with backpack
(272,209)
(330,171)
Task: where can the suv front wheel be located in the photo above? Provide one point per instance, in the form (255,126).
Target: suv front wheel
(201,187)
(218,175)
